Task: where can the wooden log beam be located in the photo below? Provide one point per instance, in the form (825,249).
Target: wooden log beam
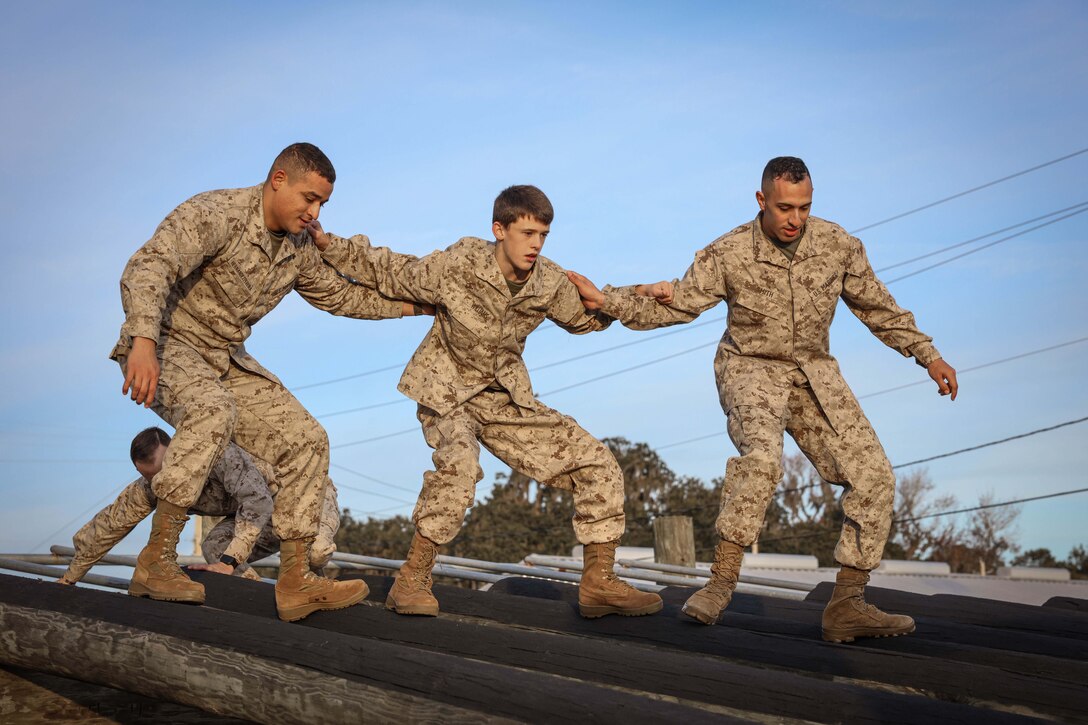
(665,671)
(791,645)
(267,670)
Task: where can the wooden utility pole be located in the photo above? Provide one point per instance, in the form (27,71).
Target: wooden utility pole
(674,540)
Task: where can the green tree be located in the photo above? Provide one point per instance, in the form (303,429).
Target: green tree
(387,538)
(1037,558)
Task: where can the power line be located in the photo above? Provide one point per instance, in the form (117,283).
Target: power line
(79,516)
(907,385)
(985,246)
(797,489)
(641,340)
(979,238)
(855,231)
(992,443)
(372,479)
(627,370)
(971,191)
(980,507)
(979,367)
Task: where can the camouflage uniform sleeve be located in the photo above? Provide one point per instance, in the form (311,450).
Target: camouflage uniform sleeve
(324,288)
(873,304)
(243,482)
(328,524)
(401,276)
(187,237)
(702,286)
(567,311)
(109,526)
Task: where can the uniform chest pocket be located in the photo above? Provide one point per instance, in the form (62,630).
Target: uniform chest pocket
(751,308)
(234,282)
(825,292)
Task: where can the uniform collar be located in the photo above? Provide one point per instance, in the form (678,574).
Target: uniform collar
(488,270)
(766,251)
(257,233)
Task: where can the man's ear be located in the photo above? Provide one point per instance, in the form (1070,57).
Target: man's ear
(279,178)
(498,230)
(761,200)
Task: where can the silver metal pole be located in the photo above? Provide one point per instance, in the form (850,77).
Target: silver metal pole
(53,572)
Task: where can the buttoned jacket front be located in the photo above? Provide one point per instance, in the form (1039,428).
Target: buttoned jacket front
(479,331)
(208,275)
(780,312)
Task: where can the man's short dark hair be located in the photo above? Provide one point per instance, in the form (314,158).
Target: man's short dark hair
(146,443)
(302,158)
(791,168)
(517,201)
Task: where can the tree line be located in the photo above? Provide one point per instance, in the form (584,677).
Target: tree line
(520,517)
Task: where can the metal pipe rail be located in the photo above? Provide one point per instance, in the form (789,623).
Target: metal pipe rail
(53,572)
(648,569)
(345,561)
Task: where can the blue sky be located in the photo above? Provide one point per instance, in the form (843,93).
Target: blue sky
(647,124)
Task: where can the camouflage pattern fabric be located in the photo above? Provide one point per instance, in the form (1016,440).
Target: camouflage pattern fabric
(197,287)
(541,443)
(218,540)
(479,330)
(852,458)
(775,372)
(472,385)
(237,489)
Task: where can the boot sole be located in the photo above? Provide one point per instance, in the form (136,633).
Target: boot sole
(410,610)
(844,636)
(593,611)
(701,617)
(293,614)
(139,590)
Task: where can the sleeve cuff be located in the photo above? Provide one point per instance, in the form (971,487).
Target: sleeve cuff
(924,353)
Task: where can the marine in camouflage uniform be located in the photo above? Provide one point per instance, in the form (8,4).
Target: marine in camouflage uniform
(774,369)
(214,267)
(236,490)
(472,387)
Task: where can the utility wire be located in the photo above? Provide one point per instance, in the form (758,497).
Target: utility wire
(372,479)
(979,367)
(79,517)
(892,266)
(971,191)
(981,237)
(907,385)
(806,486)
(980,507)
(641,340)
(985,246)
(1081,208)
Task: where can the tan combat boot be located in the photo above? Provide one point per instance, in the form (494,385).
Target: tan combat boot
(411,590)
(157,574)
(601,592)
(848,615)
(707,604)
(300,593)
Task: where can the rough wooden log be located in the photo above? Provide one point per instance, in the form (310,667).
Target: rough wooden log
(666,671)
(793,646)
(29,697)
(228,659)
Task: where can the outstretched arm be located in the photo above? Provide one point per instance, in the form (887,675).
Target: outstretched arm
(871,302)
(95,539)
(399,276)
(645,307)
